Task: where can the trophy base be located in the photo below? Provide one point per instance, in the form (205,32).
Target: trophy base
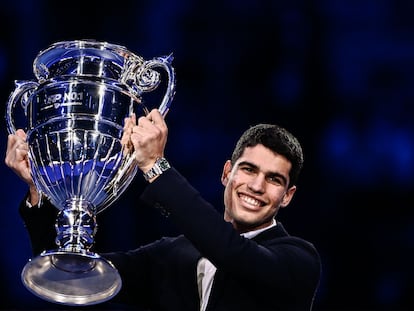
(71,278)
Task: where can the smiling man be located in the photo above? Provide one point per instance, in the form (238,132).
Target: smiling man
(246,261)
(257,186)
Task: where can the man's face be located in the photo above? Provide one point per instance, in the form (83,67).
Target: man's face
(255,188)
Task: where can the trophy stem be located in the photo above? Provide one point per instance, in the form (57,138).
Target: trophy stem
(76,226)
(73,275)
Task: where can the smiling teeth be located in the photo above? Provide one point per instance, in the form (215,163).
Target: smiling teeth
(250,200)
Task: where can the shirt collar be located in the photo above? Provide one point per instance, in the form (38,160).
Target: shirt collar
(252,234)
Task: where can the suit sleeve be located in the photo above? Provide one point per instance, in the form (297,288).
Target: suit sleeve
(40,224)
(287,260)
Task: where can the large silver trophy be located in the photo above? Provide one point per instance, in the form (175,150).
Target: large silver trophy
(74,117)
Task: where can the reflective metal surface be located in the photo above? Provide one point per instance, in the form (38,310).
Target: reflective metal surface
(74,117)
(71,278)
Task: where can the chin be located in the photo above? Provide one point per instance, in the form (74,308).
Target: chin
(243,222)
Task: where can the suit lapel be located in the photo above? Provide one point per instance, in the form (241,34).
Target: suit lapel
(219,281)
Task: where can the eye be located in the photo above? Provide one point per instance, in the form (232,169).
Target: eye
(247,169)
(275,179)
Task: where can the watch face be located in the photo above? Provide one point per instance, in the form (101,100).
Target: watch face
(159,167)
(164,165)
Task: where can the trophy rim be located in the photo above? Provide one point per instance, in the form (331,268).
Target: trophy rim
(87,44)
(78,46)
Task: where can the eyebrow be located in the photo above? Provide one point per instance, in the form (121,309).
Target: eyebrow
(267,174)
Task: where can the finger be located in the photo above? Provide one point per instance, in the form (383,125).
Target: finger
(128,123)
(21,154)
(18,160)
(20,133)
(156,116)
(15,140)
(22,144)
(134,119)
(11,141)
(144,122)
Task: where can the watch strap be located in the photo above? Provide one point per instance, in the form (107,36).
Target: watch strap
(160,166)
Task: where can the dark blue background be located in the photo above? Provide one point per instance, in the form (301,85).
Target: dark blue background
(338,74)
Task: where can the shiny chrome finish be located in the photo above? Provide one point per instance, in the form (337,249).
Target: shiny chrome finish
(74,114)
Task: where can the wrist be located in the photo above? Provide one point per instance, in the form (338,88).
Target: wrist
(159,167)
(33,197)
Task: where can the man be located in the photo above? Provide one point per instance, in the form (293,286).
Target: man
(246,262)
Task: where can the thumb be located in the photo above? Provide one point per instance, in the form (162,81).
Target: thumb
(21,134)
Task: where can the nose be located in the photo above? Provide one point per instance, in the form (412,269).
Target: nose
(257,183)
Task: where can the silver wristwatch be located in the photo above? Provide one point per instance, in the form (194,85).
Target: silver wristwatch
(160,166)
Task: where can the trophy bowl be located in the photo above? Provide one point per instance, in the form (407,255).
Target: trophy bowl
(73,114)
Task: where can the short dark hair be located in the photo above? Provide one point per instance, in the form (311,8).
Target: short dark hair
(278,140)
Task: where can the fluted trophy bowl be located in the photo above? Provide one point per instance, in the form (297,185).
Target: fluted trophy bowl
(73,113)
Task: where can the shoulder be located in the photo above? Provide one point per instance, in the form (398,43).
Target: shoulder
(277,239)
(298,242)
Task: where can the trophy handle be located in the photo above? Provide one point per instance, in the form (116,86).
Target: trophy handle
(147,80)
(21,94)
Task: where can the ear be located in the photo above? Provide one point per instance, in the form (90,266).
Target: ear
(288,196)
(225,174)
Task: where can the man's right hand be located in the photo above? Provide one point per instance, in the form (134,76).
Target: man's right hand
(17,159)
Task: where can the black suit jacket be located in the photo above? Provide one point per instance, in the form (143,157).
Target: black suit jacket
(273,271)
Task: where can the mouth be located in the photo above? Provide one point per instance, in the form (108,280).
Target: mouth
(250,202)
